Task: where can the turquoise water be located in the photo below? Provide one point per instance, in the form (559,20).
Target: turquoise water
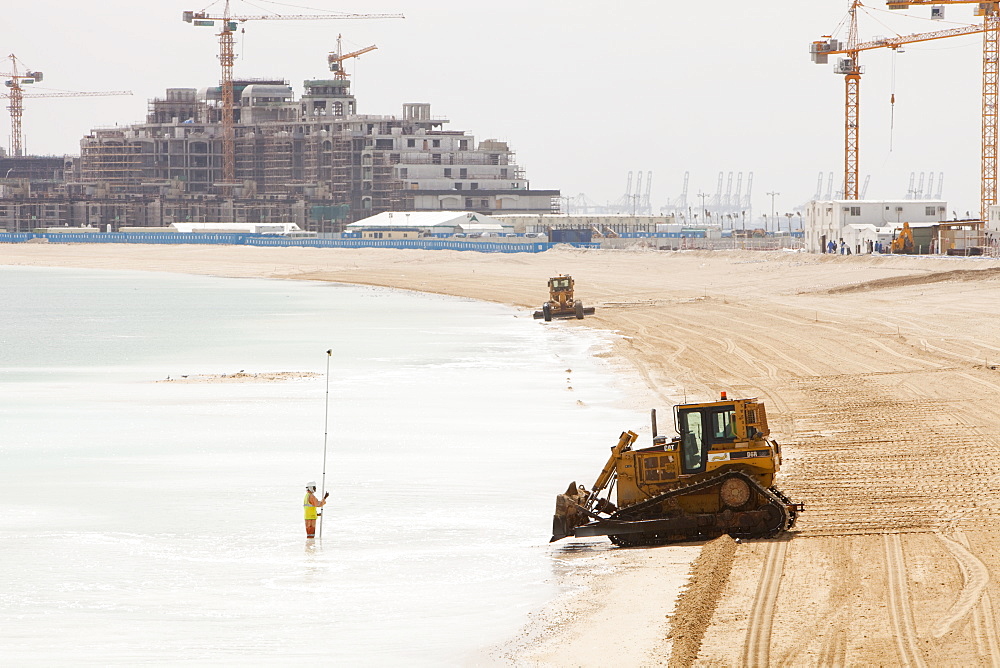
(161,522)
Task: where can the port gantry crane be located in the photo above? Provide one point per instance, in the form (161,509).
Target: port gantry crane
(227,56)
(15,81)
(852,72)
(990,11)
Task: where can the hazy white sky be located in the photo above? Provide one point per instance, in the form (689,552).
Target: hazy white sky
(583,91)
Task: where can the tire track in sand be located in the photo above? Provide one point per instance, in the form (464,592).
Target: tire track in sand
(983,619)
(757,646)
(900,614)
(644,337)
(834,652)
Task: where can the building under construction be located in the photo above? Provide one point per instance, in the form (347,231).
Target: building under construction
(313,161)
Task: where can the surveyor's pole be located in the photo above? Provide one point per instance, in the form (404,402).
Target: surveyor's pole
(326,429)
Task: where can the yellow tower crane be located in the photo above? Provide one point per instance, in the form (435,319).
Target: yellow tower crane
(17,79)
(336,59)
(227,56)
(852,71)
(990,11)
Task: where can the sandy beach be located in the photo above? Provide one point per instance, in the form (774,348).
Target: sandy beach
(880,375)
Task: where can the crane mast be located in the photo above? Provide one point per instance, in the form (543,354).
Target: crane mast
(227,57)
(16,96)
(852,107)
(852,72)
(991,51)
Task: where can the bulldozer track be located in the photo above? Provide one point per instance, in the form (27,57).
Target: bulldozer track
(757,646)
(900,613)
(635,511)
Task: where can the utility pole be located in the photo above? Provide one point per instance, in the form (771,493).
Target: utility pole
(771,195)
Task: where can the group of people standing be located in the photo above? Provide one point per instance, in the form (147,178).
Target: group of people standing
(841,247)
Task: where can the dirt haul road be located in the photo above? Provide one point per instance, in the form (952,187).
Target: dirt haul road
(882,382)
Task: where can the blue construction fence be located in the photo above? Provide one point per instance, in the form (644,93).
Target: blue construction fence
(692,234)
(234,239)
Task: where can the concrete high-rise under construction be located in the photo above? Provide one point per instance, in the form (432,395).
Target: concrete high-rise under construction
(314,161)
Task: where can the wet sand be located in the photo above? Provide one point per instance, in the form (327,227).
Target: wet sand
(881,377)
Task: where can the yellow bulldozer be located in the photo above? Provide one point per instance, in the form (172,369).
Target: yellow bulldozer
(715,477)
(562,303)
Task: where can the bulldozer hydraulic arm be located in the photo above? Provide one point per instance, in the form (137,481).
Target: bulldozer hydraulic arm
(624,441)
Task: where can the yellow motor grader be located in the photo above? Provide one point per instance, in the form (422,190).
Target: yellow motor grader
(561,303)
(716,477)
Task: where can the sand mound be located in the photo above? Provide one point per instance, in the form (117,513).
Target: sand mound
(919,279)
(241,377)
(696,604)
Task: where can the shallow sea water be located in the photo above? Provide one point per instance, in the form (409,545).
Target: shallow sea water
(161,522)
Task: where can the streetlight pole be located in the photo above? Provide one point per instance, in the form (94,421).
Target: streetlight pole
(562,197)
(704,211)
(777,226)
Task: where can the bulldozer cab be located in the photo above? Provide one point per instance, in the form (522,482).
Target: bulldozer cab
(715,426)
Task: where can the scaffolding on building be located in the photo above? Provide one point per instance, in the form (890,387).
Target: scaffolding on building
(112,160)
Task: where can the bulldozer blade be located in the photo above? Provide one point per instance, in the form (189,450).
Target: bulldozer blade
(612,527)
(559,529)
(568,512)
(564,314)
